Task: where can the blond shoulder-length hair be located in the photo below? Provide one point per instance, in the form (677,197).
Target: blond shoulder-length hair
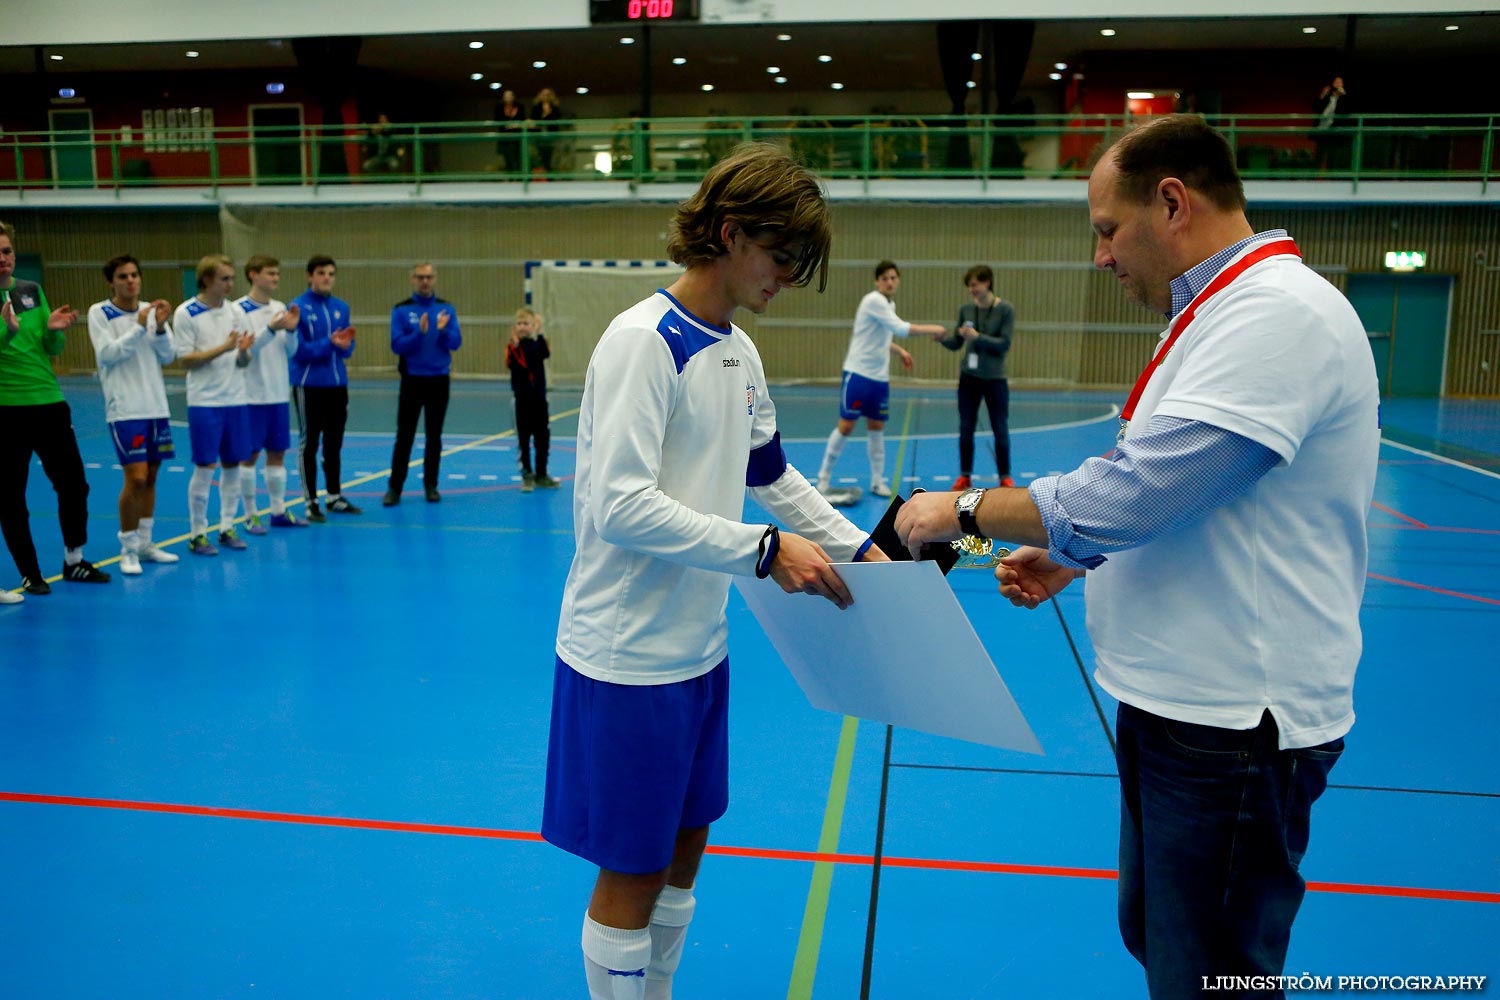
(774,199)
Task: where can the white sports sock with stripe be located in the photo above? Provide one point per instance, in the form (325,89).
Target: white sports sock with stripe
(669,924)
(276,487)
(614,960)
(198,489)
(229,496)
(247,488)
(876,444)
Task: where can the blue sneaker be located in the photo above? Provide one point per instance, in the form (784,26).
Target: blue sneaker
(287,520)
(254,525)
(199,545)
(230,540)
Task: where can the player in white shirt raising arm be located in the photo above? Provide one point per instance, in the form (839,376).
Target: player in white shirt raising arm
(213,340)
(131,343)
(270,391)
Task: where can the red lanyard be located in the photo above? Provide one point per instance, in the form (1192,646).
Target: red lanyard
(1222,280)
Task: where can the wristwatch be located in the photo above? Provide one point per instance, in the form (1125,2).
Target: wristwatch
(967,505)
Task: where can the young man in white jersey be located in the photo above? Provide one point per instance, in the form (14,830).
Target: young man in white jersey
(212,337)
(675,424)
(866,390)
(131,343)
(1224,542)
(269,388)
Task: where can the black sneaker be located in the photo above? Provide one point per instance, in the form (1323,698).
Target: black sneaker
(84,571)
(342,506)
(35,585)
(547,482)
(315,513)
(392,497)
(433,496)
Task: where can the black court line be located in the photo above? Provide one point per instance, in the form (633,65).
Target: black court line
(1083,672)
(885,775)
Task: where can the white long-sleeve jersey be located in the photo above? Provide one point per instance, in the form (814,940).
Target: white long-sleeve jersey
(268,377)
(875,323)
(675,422)
(130,357)
(196,327)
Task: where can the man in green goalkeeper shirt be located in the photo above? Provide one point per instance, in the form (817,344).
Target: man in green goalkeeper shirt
(35,420)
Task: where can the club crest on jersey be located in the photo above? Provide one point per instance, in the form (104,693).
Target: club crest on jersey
(749,398)
(28,301)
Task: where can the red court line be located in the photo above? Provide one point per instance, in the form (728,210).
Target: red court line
(930,864)
(1396,513)
(1435,590)
(1438,527)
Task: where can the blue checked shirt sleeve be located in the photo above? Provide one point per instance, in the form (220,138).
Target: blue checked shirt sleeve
(1171,475)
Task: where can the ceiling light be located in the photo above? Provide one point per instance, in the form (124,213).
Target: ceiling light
(836,86)
(67,92)
(1450,27)
(1054,76)
(59,58)
(494,84)
(1059,66)
(191,54)
(582,90)
(783,38)
(1140,95)
(1107,32)
(1309,30)
(975,56)
(773,69)
(707,87)
(275,88)
(678,61)
(627,40)
(476,76)
(781,79)
(476,45)
(539,64)
(970,84)
(825,58)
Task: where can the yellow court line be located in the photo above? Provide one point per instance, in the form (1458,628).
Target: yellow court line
(357,482)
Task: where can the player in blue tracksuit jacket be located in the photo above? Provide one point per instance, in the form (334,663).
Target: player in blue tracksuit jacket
(320,384)
(424,335)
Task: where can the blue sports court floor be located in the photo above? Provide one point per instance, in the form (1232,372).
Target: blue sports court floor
(314,769)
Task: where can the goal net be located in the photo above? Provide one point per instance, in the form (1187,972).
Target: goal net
(579,298)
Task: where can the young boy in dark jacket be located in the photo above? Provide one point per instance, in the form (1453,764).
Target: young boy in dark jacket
(526,357)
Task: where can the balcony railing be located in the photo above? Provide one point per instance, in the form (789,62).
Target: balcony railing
(676,150)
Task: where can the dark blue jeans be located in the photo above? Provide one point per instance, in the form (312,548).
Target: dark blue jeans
(995,394)
(1213,825)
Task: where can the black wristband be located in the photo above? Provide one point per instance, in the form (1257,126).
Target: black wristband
(770,544)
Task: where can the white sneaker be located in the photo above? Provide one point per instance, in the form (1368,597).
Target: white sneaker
(880,488)
(130,563)
(152,554)
(6,597)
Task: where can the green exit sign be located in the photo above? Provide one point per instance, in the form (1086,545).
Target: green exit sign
(1405,260)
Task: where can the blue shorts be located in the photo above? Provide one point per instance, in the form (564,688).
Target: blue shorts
(629,765)
(142,440)
(220,434)
(270,427)
(864,397)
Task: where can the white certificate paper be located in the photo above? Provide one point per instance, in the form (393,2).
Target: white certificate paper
(904,653)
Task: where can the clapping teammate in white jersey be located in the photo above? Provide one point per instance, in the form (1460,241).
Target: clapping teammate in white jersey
(866,390)
(270,390)
(131,343)
(213,341)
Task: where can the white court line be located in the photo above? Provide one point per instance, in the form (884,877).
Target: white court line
(1440,458)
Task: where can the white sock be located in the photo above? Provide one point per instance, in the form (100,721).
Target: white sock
(276,486)
(876,443)
(669,924)
(247,488)
(329,498)
(229,496)
(836,442)
(198,487)
(130,541)
(614,960)
(143,531)
(72,557)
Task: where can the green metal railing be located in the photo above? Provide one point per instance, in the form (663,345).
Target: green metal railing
(667,150)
